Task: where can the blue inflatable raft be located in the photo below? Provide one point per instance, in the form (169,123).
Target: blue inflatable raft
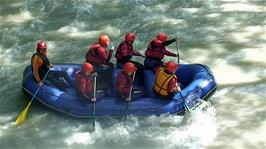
(198,81)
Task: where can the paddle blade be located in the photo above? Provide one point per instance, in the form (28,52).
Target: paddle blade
(22,115)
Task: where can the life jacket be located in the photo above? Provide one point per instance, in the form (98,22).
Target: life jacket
(155,52)
(44,67)
(93,56)
(128,50)
(89,86)
(162,80)
(127,85)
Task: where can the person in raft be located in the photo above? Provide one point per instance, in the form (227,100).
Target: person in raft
(40,66)
(166,84)
(125,52)
(157,50)
(85,81)
(125,80)
(99,57)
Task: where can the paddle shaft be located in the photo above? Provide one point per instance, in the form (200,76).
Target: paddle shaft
(39,86)
(94,88)
(131,88)
(23,114)
(178,60)
(183,100)
(130,95)
(94,102)
(177,52)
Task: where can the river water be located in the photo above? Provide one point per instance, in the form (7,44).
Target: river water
(227,35)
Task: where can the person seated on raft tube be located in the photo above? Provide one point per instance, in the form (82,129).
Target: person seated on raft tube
(156,51)
(97,54)
(85,81)
(125,80)
(99,57)
(40,66)
(125,52)
(166,83)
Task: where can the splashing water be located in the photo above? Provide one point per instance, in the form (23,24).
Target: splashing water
(194,130)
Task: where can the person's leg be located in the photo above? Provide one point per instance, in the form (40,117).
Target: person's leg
(67,78)
(105,73)
(139,73)
(158,63)
(109,64)
(109,80)
(148,64)
(98,68)
(123,96)
(152,64)
(119,64)
(108,72)
(101,84)
(55,80)
(169,97)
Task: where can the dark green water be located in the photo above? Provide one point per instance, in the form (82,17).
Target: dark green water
(227,35)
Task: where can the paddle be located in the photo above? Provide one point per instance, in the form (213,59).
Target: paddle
(185,104)
(23,114)
(129,96)
(181,95)
(94,102)
(177,52)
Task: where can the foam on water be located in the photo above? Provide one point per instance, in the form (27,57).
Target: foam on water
(108,29)
(242,7)
(21,17)
(195,130)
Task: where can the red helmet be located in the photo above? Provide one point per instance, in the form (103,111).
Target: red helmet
(171,67)
(87,67)
(104,40)
(130,37)
(162,36)
(41,45)
(129,67)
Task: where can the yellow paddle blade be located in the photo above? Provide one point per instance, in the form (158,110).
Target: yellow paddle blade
(22,115)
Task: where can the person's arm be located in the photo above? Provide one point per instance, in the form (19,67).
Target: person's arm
(83,90)
(103,53)
(136,53)
(168,42)
(156,69)
(36,64)
(121,86)
(86,96)
(110,53)
(124,50)
(83,82)
(172,86)
(51,65)
(168,53)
